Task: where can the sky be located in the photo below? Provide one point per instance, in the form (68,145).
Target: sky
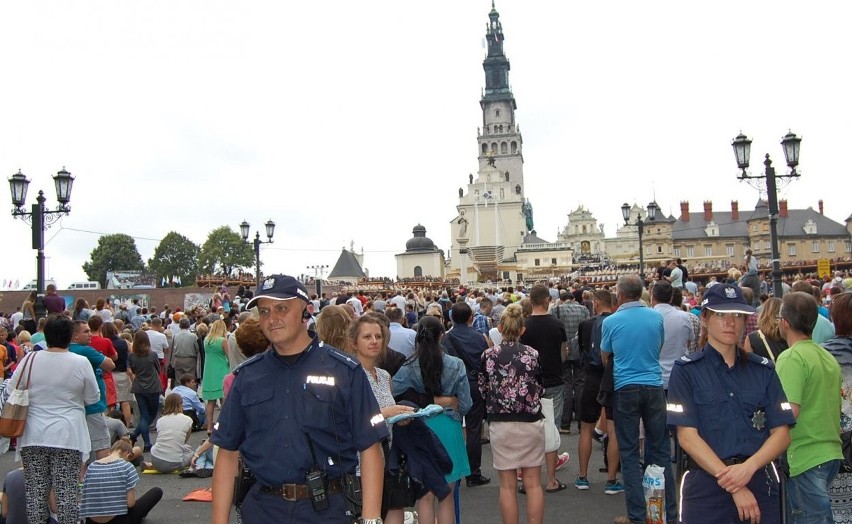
(355,121)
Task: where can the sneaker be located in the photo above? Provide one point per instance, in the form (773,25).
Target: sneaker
(565,430)
(408,518)
(613,487)
(561,460)
(597,435)
(581,483)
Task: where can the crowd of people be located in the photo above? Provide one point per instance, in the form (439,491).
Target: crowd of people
(398,391)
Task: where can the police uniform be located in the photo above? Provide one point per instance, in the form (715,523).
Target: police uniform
(733,409)
(275,403)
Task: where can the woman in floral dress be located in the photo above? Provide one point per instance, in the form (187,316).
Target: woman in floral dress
(511,389)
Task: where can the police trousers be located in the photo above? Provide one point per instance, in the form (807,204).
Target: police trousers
(702,500)
(265,508)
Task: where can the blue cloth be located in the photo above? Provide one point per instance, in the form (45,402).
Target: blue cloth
(454,383)
(274,403)
(634,335)
(96,359)
(431,409)
(428,461)
(648,403)
(706,394)
(807,494)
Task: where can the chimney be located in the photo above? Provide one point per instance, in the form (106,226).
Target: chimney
(735,210)
(821,207)
(782,209)
(708,210)
(684,210)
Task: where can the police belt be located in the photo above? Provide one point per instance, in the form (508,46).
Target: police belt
(294,492)
(691,464)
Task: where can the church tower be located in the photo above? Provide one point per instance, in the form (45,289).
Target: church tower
(493,215)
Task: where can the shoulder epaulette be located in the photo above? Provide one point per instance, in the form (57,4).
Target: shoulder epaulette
(346,358)
(757,359)
(688,359)
(248,362)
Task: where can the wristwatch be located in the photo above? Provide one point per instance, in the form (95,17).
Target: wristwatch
(370,521)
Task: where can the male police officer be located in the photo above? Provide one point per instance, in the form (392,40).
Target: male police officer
(297,413)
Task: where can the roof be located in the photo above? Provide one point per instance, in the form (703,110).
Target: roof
(791,226)
(532,238)
(347,266)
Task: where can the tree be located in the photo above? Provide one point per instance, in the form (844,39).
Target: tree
(175,256)
(114,253)
(224,251)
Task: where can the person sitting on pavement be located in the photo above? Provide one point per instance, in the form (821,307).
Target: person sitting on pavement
(171,451)
(109,489)
(191,404)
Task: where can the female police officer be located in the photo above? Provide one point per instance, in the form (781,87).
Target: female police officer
(732,420)
(297,414)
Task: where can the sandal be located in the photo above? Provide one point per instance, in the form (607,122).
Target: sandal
(559,487)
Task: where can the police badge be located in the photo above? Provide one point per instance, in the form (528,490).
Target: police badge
(758,419)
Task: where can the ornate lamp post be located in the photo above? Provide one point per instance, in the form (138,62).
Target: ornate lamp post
(318,276)
(742,152)
(244,231)
(640,223)
(39,217)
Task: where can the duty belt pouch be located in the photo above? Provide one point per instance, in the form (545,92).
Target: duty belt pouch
(242,483)
(352,494)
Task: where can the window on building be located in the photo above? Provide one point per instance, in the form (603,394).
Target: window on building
(538,261)
(514,144)
(494,147)
(418,271)
(815,246)
(765,228)
(584,230)
(831,246)
(730,250)
(484,149)
(552,261)
(496,112)
(677,252)
(504,147)
(690,252)
(791,250)
(848,246)
(708,251)
(659,249)
(766,245)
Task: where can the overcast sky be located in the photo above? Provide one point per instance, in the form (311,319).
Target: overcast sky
(354,121)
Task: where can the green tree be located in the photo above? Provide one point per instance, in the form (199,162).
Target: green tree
(114,253)
(175,256)
(224,252)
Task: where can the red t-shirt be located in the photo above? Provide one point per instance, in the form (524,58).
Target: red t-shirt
(104,347)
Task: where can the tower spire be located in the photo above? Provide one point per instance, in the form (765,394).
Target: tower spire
(496,64)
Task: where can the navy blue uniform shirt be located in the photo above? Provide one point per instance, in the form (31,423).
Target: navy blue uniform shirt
(733,408)
(272,405)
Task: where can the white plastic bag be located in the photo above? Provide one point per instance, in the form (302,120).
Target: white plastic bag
(552,440)
(654,485)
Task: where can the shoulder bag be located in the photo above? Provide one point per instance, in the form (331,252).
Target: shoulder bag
(14,416)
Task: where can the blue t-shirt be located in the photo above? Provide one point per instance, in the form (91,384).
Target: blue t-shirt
(96,359)
(634,335)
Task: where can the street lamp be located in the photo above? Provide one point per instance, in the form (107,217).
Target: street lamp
(742,152)
(640,223)
(244,231)
(318,276)
(39,217)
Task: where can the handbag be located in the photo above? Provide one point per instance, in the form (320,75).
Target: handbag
(16,408)
(399,491)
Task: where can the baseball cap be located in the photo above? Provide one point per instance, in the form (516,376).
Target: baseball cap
(280,287)
(726,298)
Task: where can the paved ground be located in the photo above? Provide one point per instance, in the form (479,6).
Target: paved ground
(478,505)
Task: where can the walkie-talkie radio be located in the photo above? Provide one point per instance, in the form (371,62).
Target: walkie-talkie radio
(317,482)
